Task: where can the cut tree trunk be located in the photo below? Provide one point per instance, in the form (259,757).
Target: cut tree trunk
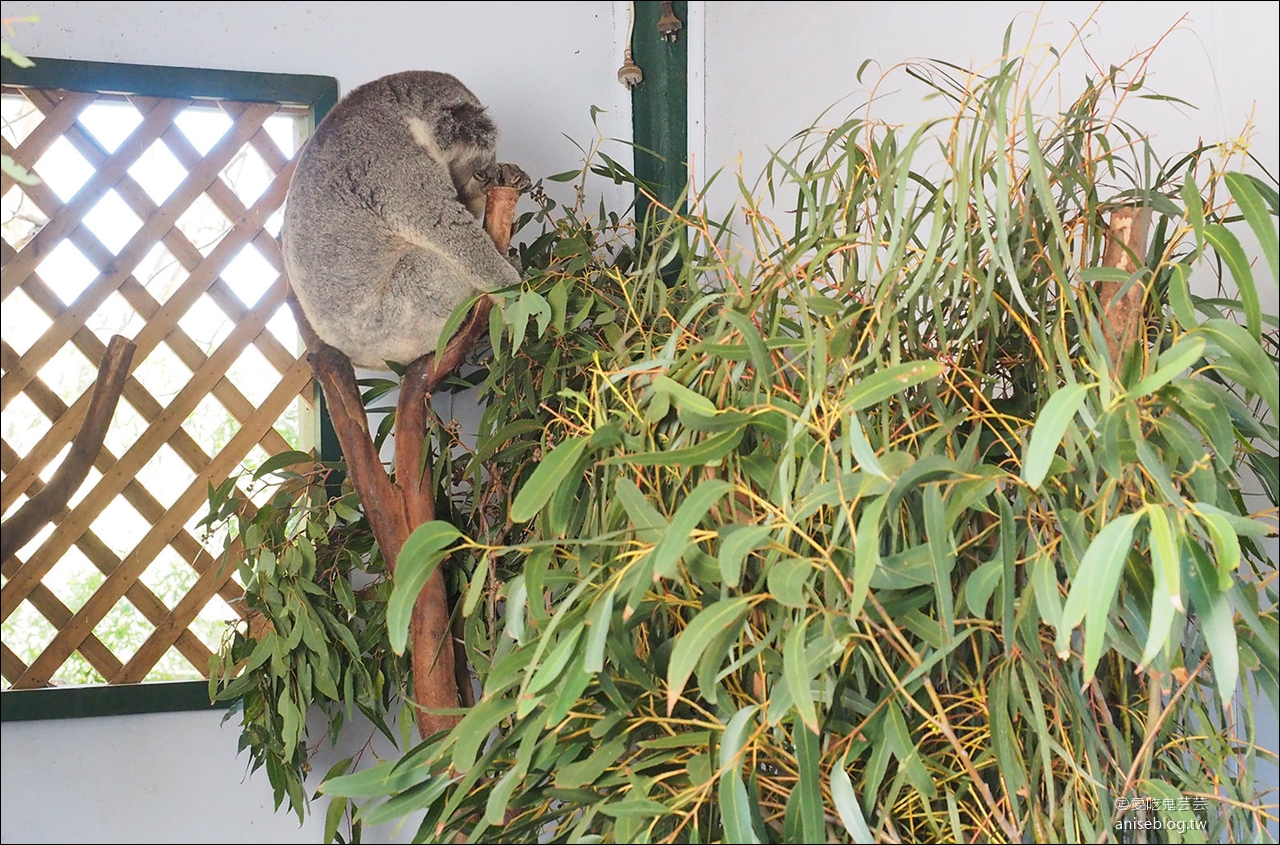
(1122,316)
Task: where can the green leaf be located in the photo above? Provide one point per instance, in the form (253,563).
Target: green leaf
(473,731)
(866,556)
(418,559)
(1254,209)
(808,787)
(1195,207)
(1228,247)
(475,589)
(847,807)
(411,800)
(1248,353)
(1226,545)
(513,619)
(546,478)
(281,460)
(693,407)
(19,173)
(1166,594)
(735,806)
(795,668)
(8,52)
(689,646)
(1093,589)
(980,585)
(453,322)
(1051,424)
(642,808)
(585,772)
(650,525)
(707,452)
(495,807)
(1180,296)
(861,447)
(382,779)
(1172,363)
(887,382)
(942,556)
(667,553)
(556,660)
(333,817)
(1213,612)
(598,620)
(787,579)
(898,735)
(1180,821)
(736,542)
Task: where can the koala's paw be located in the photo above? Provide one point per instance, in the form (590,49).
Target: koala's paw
(504,175)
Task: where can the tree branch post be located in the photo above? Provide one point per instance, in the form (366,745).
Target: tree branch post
(1122,317)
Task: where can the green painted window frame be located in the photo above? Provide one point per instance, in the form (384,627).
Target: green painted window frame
(317,94)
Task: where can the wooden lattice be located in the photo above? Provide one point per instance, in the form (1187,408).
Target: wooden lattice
(279,378)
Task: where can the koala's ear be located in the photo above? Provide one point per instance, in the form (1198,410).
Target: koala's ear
(468,121)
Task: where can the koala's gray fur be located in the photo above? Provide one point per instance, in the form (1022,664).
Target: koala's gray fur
(382,238)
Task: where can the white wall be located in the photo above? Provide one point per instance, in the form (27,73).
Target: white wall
(773,68)
(539,67)
(166,777)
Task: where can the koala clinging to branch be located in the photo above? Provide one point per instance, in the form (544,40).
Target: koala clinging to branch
(382,238)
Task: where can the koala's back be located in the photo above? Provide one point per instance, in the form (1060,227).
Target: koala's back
(381,237)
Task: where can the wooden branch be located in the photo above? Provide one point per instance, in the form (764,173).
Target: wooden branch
(40,508)
(396,508)
(337,379)
(413,477)
(1122,318)
(500,210)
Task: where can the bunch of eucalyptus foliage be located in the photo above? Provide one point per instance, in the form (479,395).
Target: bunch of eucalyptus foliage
(838,522)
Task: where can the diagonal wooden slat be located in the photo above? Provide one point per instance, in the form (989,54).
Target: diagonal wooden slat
(93,190)
(174,240)
(157,326)
(128,257)
(92,347)
(134,393)
(127,466)
(221,194)
(141,300)
(11,665)
(56,121)
(101,658)
(175,626)
(69,637)
(190,549)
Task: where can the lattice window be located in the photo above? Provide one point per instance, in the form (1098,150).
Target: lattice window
(156,218)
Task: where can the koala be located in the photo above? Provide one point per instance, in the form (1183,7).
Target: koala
(382,236)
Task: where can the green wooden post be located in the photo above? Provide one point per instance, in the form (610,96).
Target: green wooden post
(660,105)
